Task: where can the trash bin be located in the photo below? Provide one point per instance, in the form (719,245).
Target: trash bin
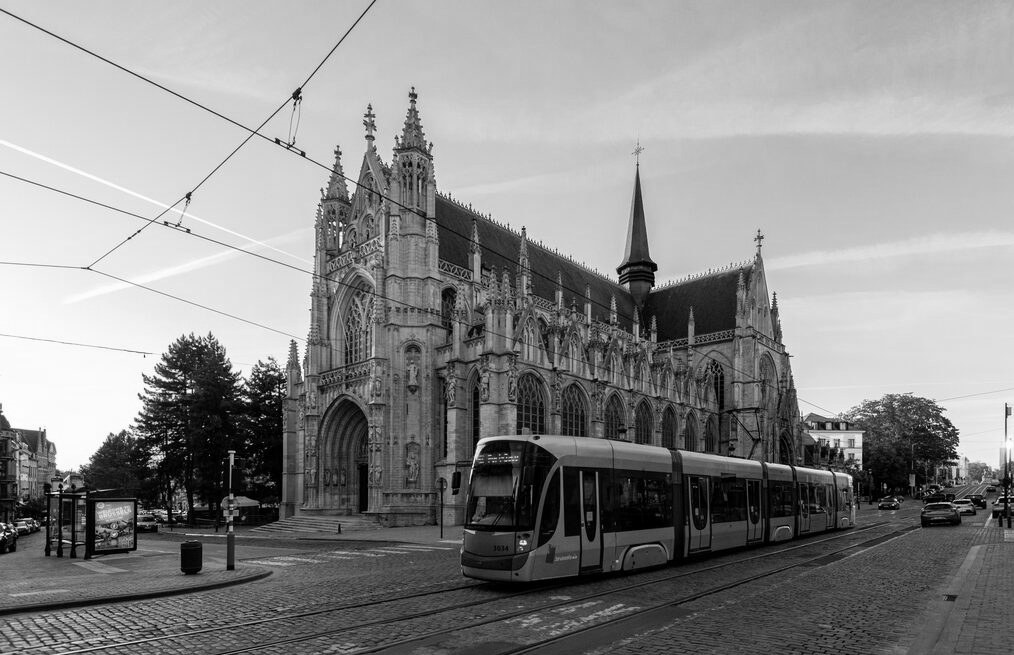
(190,557)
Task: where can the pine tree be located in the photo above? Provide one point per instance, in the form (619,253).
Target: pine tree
(264,393)
(189,417)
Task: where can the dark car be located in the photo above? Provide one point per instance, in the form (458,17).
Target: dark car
(146,523)
(999,506)
(991,489)
(940,513)
(935,497)
(22,526)
(978,500)
(889,502)
(8,538)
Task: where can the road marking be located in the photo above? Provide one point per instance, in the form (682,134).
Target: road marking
(99,567)
(36,593)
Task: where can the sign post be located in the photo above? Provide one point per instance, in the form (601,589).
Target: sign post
(230,537)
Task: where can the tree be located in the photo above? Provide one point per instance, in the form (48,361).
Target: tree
(263,394)
(190,408)
(904,434)
(119,463)
(979,471)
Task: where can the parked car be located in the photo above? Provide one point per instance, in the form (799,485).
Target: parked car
(21,525)
(8,538)
(978,500)
(940,513)
(146,523)
(999,506)
(965,506)
(889,502)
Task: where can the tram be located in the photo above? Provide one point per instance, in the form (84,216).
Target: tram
(539,507)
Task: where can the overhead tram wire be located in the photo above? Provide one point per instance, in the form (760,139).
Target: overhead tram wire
(628,377)
(252,133)
(75,343)
(256,132)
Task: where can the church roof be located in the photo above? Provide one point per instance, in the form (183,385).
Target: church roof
(712,296)
(501,248)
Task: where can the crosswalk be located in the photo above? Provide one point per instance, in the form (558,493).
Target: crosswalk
(350,555)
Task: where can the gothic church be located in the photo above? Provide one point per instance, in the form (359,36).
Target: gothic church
(432,325)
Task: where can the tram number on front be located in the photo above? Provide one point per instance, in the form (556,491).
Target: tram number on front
(501,549)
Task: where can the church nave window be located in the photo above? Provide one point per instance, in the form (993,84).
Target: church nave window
(357,330)
(531,405)
(573,414)
(613,418)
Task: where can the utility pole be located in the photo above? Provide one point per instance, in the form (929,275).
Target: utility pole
(230,536)
(1006,464)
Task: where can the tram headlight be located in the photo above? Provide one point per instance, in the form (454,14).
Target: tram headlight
(522,544)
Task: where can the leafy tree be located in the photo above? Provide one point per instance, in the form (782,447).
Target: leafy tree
(188,420)
(119,463)
(904,434)
(264,394)
(979,470)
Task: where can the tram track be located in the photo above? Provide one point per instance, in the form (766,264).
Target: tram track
(481,607)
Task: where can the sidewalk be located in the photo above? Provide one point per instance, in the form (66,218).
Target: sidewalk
(33,582)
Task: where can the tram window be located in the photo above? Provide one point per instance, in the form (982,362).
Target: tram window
(804,498)
(641,501)
(819,495)
(550,509)
(571,503)
(780,497)
(728,500)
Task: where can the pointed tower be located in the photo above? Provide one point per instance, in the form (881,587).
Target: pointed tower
(413,184)
(335,205)
(637,271)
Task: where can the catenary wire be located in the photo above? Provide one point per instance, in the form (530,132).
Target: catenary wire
(627,376)
(75,343)
(256,132)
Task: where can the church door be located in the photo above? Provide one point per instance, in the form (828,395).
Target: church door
(364,487)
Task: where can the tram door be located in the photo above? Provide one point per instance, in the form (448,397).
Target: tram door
(700,525)
(804,507)
(591,523)
(755,527)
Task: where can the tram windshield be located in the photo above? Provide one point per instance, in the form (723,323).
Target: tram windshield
(506,482)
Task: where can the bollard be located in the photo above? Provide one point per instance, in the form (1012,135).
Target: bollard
(190,557)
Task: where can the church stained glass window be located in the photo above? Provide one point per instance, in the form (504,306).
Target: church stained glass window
(613,418)
(358,331)
(669,429)
(573,413)
(643,424)
(531,405)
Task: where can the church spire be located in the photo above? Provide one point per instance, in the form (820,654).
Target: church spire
(637,270)
(412,134)
(336,187)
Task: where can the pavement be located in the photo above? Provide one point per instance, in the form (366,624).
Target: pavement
(972,611)
(33,582)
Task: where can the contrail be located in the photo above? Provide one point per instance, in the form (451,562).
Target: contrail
(113,185)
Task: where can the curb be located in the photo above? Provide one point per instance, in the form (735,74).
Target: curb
(119,598)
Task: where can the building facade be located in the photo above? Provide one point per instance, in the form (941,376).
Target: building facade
(832,442)
(432,325)
(27,462)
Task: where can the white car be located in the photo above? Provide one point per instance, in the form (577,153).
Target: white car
(964,505)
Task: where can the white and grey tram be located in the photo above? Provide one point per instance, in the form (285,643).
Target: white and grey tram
(542,506)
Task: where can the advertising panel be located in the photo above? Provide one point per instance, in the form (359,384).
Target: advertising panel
(111,524)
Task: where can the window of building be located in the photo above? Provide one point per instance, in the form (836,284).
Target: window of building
(531,405)
(643,424)
(669,429)
(448,300)
(573,413)
(357,333)
(852,443)
(474,414)
(613,418)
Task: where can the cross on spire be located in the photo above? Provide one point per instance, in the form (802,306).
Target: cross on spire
(637,153)
(759,238)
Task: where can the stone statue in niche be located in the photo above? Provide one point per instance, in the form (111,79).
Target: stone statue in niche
(412,464)
(484,386)
(376,475)
(450,391)
(342,477)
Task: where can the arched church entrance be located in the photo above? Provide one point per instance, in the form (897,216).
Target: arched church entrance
(345,471)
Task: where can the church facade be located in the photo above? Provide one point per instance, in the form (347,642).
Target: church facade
(432,325)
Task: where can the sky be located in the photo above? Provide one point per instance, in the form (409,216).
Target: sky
(871,142)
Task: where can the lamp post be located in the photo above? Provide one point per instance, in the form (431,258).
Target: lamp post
(441,486)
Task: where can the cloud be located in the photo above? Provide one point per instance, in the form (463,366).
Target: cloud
(930,244)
